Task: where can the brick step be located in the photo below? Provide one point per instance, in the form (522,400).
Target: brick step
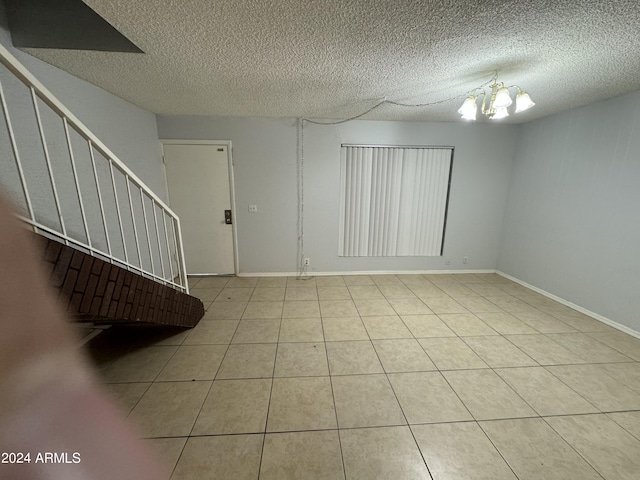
(94,290)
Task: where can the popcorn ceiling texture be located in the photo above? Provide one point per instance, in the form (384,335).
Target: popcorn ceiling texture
(337,58)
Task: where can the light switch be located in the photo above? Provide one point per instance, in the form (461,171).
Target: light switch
(253,209)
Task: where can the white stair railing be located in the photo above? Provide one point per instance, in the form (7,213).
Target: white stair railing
(71,187)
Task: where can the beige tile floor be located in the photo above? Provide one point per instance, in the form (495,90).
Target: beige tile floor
(447,377)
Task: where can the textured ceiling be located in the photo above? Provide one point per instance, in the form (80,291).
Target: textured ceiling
(337,58)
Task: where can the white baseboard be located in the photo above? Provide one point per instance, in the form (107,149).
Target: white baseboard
(365,272)
(270,274)
(597,316)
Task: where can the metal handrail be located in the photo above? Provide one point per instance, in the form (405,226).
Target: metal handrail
(171,228)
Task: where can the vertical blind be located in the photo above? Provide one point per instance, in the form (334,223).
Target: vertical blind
(393,200)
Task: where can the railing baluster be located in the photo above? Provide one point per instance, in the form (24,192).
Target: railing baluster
(155,221)
(115,195)
(93,250)
(133,219)
(14,147)
(95,176)
(41,95)
(48,162)
(177,252)
(180,249)
(75,179)
(166,235)
(22,74)
(146,228)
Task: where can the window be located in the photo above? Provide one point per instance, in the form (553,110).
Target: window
(393,200)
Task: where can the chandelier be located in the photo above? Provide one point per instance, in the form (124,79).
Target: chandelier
(499,101)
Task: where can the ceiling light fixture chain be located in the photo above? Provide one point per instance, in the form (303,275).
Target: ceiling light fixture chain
(450,99)
(355,117)
(498,103)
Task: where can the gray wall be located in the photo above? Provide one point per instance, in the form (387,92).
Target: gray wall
(265,167)
(571,225)
(129,131)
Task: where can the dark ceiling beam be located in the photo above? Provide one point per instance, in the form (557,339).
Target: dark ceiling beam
(63,24)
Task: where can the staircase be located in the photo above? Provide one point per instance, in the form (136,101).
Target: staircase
(112,247)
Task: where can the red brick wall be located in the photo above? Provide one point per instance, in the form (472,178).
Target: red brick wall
(98,291)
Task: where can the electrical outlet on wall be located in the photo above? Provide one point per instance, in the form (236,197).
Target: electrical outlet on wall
(465,260)
(307,261)
(253,209)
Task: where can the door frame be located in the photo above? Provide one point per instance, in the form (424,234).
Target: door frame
(220,143)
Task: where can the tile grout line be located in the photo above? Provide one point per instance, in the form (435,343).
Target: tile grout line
(189,436)
(607,414)
(273,378)
(203,402)
(333,396)
(544,366)
(496,449)
(593,467)
(537,364)
(588,336)
(569,386)
(424,461)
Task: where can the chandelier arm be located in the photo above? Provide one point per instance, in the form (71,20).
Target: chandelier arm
(484,102)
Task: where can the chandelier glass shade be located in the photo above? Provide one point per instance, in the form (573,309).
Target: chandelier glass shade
(499,99)
(523,102)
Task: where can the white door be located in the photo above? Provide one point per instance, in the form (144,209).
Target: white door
(199,193)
